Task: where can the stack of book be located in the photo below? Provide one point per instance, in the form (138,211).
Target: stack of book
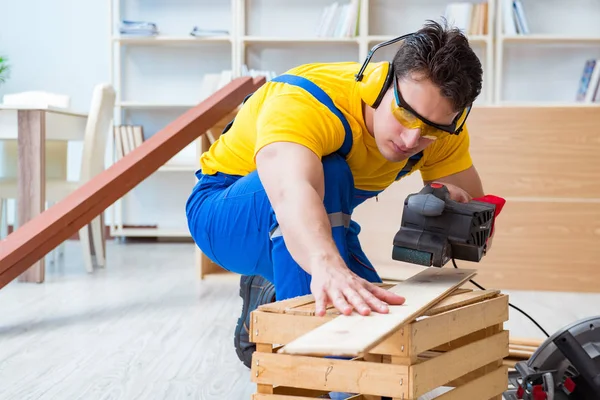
(339,20)
(141,28)
(513,17)
(589,82)
(127,138)
(199,32)
(470,18)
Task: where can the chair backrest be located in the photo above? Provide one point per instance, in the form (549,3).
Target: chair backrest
(99,126)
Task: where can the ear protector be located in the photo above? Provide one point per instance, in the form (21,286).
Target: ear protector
(375,83)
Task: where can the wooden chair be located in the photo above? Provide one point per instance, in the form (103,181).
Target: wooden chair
(99,125)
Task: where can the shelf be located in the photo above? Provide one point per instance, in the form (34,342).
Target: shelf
(279,39)
(550,39)
(152,106)
(168,40)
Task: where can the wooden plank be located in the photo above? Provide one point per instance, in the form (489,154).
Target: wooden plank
(431,332)
(35,239)
(440,370)
(288,304)
(460,300)
(346,335)
(330,374)
(278,328)
(470,338)
(283,328)
(531,342)
(484,387)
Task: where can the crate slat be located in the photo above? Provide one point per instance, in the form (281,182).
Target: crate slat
(440,370)
(330,374)
(485,387)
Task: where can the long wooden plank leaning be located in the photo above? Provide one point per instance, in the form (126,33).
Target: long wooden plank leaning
(354,335)
(38,237)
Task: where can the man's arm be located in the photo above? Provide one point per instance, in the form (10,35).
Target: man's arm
(292,176)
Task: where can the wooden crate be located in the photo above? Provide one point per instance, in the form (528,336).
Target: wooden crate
(459,342)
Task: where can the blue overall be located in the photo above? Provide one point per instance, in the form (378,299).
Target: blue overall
(231,219)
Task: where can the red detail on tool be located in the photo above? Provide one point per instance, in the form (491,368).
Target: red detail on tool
(498,201)
(569,385)
(436,185)
(539,393)
(520,392)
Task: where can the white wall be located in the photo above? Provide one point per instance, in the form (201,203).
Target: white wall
(59,46)
(55,45)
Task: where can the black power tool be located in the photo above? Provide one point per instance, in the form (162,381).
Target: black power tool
(435,228)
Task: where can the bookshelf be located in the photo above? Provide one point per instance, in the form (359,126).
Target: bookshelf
(543,63)
(157,78)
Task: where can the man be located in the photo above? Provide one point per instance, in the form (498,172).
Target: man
(276,192)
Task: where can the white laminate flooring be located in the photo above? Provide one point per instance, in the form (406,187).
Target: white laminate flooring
(146,327)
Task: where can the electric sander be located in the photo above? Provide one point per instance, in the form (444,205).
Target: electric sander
(435,228)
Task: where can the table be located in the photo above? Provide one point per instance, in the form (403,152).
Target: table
(31,126)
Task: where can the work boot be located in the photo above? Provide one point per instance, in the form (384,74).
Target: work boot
(254,291)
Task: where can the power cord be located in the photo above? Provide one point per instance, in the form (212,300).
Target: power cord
(515,307)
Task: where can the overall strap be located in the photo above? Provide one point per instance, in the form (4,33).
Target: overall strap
(412,161)
(322,97)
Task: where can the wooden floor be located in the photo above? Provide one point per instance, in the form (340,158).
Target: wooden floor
(147,328)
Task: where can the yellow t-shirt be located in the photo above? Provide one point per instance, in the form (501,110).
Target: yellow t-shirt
(279,111)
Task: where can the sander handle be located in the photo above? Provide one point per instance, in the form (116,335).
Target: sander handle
(430,201)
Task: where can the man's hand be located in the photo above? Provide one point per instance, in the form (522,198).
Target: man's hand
(335,284)
(456,193)
(467,181)
(292,176)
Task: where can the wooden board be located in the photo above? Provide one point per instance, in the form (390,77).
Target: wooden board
(543,246)
(524,151)
(39,236)
(354,335)
(460,300)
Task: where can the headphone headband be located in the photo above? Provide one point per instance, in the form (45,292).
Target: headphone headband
(359,75)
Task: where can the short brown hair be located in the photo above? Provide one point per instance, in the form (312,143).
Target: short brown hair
(443,55)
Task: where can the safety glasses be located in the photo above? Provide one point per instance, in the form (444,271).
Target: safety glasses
(410,119)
